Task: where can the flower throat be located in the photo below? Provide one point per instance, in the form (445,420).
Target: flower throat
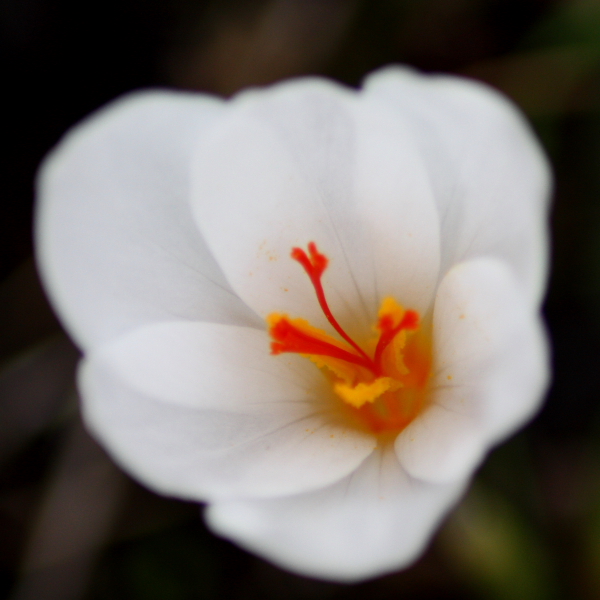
(383,384)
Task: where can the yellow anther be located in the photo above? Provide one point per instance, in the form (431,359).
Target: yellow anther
(364,392)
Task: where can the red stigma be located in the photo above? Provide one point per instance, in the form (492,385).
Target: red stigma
(315,267)
(409,321)
(386,390)
(289,337)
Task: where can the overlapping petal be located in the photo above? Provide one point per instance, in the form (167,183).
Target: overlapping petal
(315,162)
(374,521)
(490,178)
(201,410)
(490,369)
(116,241)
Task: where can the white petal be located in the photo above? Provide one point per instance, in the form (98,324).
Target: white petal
(490,177)
(203,411)
(441,446)
(490,371)
(375,521)
(310,161)
(117,245)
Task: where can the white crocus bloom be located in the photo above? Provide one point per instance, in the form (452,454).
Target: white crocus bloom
(166,228)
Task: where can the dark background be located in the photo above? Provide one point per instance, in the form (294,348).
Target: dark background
(71,524)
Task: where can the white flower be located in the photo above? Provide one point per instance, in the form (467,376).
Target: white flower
(165,227)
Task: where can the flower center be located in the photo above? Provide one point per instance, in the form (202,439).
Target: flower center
(384,384)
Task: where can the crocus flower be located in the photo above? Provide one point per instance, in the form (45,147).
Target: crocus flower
(313,308)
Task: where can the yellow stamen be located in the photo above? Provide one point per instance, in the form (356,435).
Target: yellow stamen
(365,392)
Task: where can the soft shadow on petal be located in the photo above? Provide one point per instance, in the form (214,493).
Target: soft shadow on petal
(203,411)
(117,244)
(490,371)
(490,177)
(309,161)
(373,522)
(441,445)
